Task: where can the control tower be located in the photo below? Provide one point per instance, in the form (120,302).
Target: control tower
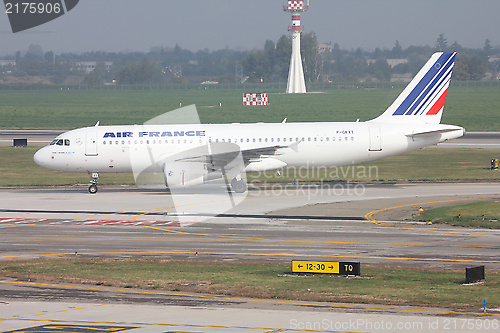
(296,83)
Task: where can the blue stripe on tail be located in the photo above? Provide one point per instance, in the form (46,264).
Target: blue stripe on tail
(430,82)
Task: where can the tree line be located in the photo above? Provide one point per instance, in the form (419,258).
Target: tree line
(178,65)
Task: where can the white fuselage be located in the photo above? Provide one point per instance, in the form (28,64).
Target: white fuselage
(325,144)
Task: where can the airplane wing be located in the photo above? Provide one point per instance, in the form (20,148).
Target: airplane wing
(219,155)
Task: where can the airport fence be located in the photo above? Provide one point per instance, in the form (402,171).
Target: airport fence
(247,87)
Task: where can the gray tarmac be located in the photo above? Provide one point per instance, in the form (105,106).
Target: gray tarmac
(331,222)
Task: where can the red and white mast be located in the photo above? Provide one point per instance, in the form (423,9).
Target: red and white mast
(296,83)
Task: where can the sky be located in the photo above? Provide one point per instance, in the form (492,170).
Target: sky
(139,25)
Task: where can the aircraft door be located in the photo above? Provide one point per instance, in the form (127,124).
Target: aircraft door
(375,139)
(91,143)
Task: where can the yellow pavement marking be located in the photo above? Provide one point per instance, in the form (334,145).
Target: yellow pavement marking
(169,325)
(64,238)
(250,254)
(250,300)
(270,240)
(16,226)
(99,215)
(153,211)
(186,205)
(370,217)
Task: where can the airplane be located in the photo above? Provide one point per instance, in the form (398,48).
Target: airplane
(192,154)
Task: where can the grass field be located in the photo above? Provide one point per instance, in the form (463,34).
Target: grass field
(471,215)
(475,108)
(377,285)
(18,169)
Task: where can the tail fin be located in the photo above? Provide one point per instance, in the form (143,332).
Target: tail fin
(423,99)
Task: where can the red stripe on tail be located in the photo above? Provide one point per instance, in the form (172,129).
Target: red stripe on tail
(438,105)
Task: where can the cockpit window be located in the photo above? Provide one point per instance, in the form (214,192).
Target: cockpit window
(60,142)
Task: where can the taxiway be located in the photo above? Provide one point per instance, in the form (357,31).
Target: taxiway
(330,221)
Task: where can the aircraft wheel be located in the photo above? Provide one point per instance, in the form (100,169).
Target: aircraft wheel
(239,186)
(93,189)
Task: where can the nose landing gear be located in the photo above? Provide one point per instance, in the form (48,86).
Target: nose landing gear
(93,183)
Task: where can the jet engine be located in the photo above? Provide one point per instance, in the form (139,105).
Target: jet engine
(181,174)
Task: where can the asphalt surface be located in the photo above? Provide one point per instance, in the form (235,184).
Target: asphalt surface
(332,222)
(141,223)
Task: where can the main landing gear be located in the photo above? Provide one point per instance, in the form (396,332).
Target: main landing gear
(93,183)
(238,185)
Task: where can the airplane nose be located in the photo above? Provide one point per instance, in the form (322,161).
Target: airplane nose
(40,156)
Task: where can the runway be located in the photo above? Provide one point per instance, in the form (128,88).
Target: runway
(264,226)
(274,224)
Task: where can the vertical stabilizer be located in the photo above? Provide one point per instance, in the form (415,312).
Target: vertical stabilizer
(423,99)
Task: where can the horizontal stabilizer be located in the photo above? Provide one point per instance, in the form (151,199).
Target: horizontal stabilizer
(439,131)
(445,132)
